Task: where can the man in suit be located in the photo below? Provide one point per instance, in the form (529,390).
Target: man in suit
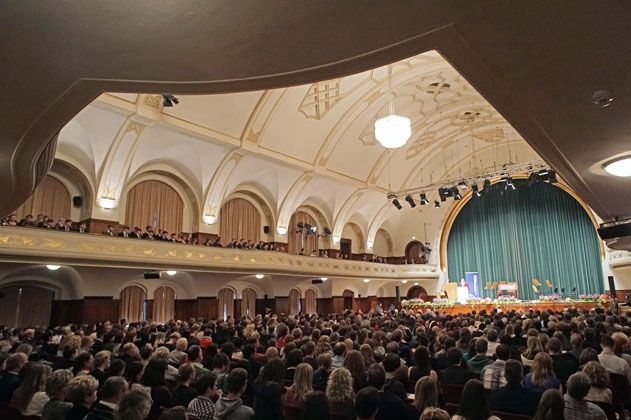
(109,231)
(455,373)
(112,393)
(564,364)
(10,378)
(514,398)
(124,233)
(148,233)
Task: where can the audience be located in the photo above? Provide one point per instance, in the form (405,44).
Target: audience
(264,366)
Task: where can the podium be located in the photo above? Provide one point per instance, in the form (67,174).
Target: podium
(462,294)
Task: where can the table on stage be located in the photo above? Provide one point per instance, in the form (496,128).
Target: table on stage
(521,306)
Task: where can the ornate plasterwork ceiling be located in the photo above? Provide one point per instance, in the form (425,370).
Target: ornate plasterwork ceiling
(270,140)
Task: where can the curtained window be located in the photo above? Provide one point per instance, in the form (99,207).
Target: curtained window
(163,304)
(536,232)
(248,303)
(239,219)
(26,306)
(51,198)
(310,302)
(225,308)
(298,240)
(132,303)
(154,203)
(294,302)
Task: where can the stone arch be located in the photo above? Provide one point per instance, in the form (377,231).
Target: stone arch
(132,303)
(295,306)
(414,252)
(358,235)
(225,305)
(311,301)
(257,200)
(417,292)
(388,250)
(163,303)
(349,299)
(78,184)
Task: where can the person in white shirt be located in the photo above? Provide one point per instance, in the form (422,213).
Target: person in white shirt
(30,397)
(611,362)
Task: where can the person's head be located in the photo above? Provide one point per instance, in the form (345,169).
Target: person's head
(354,362)
(454,356)
(269,402)
(236,381)
(367,354)
(422,360)
(82,390)
(303,379)
(133,371)
(185,373)
(15,362)
(316,406)
(206,384)
(117,367)
(325,361)
(542,370)
(194,354)
(391,362)
(102,360)
(339,388)
(514,372)
(607,342)
(551,405)
(554,346)
(597,374)
(588,355)
(154,373)
(35,377)
(181,344)
(433,413)
(425,394)
(367,403)
(376,376)
(576,340)
(57,383)
(578,385)
(533,347)
(339,349)
(221,362)
(134,405)
(481,346)
(274,370)
(83,361)
(294,358)
(502,352)
(175,413)
(114,389)
(473,404)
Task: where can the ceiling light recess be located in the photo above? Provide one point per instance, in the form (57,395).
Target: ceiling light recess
(171,272)
(259,276)
(619,167)
(53,267)
(366,280)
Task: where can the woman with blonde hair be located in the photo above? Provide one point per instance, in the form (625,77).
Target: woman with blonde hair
(542,376)
(297,393)
(366,352)
(56,387)
(135,405)
(339,391)
(101,365)
(599,381)
(425,394)
(82,394)
(533,347)
(30,397)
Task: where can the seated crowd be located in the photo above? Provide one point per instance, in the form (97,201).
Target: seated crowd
(394,365)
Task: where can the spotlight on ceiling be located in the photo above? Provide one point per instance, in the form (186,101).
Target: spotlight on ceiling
(443,193)
(410,200)
(436,204)
(404,281)
(171,272)
(366,280)
(619,167)
(324,278)
(53,267)
(168,100)
(487,185)
(424,199)
(475,191)
(396,204)
(533,178)
(552,177)
(462,185)
(455,193)
(312,230)
(327,231)
(259,276)
(509,183)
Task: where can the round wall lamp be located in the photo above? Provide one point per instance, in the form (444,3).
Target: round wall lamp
(619,167)
(53,267)
(259,276)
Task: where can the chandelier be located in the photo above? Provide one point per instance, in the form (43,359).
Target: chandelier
(393,130)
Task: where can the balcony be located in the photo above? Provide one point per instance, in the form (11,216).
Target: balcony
(19,244)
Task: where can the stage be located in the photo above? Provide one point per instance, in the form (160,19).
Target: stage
(457,308)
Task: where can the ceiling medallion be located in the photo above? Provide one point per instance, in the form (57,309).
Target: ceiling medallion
(393,130)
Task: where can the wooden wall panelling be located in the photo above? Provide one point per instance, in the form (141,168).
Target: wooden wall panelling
(202,237)
(149,308)
(207,307)
(337,303)
(66,312)
(100,308)
(237,308)
(100,225)
(282,305)
(263,304)
(185,309)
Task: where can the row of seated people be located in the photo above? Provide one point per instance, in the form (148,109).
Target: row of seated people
(44,222)
(320,367)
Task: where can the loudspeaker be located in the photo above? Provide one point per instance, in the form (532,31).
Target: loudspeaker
(612,286)
(152,275)
(316,281)
(398,293)
(266,229)
(327,231)
(77,201)
(265,297)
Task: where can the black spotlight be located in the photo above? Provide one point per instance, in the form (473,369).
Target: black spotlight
(487,185)
(508,183)
(307,227)
(552,177)
(424,199)
(462,185)
(436,204)
(532,178)
(327,231)
(396,204)
(312,230)
(300,226)
(455,193)
(410,200)
(475,190)
(168,100)
(443,193)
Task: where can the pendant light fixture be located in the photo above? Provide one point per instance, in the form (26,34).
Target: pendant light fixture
(393,130)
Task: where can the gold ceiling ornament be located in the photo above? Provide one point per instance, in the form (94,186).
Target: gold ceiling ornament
(493,135)
(421,144)
(135,126)
(153,101)
(321,98)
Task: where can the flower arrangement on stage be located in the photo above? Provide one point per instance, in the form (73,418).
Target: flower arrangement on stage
(437,303)
(507,299)
(549,298)
(604,299)
(478,300)
(589,297)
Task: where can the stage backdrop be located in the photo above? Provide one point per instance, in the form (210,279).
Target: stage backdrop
(538,232)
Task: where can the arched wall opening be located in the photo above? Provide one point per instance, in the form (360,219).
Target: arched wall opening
(383,245)
(353,233)
(533,232)
(154,203)
(248,302)
(51,198)
(163,304)
(25,305)
(225,304)
(133,303)
(311,301)
(301,238)
(349,297)
(417,292)
(415,253)
(295,306)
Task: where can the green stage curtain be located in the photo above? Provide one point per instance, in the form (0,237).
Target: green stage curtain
(538,232)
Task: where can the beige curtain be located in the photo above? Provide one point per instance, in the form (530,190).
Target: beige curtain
(132,303)
(239,219)
(309,242)
(225,308)
(248,303)
(163,304)
(26,306)
(310,302)
(154,203)
(50,198)
(294,302)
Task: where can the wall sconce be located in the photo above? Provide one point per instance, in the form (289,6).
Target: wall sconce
(336,239)
(370,244)
(281,230)
(209,219)
(107,202)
